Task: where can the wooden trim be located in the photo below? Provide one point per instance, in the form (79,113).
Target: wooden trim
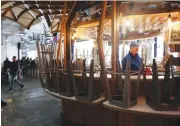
(58,23)
(5,12)
(21,13)
(13,14)
(141,37)
(149,11)
(73,98)
(101,51)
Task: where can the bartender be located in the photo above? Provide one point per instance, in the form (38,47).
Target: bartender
(133,56)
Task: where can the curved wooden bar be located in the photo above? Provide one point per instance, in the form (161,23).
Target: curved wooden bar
(82,112)
(141,108)
(142,115)
(97,101)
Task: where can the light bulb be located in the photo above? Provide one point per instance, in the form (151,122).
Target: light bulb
(127,23)
(169,23)
(75,35)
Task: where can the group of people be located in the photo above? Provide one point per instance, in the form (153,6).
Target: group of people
(14,72)
(28,66)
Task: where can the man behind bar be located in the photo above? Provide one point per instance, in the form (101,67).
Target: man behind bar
(133,56)
(14,74)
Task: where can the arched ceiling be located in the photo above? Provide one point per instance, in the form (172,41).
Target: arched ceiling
(26,12)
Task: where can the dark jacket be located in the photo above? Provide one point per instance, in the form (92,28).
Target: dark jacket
(6,65)
(14,67)
(33,64)
(134,60)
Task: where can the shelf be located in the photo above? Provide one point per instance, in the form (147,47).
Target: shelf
(140,37)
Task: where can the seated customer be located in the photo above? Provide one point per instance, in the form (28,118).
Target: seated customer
(133,56)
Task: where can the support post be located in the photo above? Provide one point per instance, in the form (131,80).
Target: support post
(62,31)
(114,45)
(114,34)
(19,47)
(67,43)
(39,56)
(101,51)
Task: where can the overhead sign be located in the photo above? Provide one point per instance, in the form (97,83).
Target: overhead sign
(90,31)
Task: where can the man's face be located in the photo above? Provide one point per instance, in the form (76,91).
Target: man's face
(134,50)
(14,59)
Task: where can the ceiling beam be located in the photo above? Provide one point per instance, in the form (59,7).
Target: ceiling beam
(89,5)
(60,3)
(40,16)
(25,10)
(72,12)
(5,12)
(48,20)
(13,15)
(3,3)
(28,27)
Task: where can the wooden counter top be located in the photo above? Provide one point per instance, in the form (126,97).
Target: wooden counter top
(73,98)
(133,77)
(142,108)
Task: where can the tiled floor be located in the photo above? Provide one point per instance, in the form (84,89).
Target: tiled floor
(31,106)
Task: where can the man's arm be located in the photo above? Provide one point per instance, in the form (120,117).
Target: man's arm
(124,60)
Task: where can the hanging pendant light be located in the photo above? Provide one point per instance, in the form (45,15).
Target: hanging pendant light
(169,21)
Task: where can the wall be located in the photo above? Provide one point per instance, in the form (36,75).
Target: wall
(8,52)
(9,48)
(32,54)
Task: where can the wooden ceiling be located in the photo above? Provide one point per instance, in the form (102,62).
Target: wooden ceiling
(26,12)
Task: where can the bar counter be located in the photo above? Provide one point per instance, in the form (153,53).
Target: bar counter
(142,115)
(143,109)
(133,77)
(102,113)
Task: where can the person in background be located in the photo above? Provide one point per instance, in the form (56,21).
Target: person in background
(6,65)
(165,59)
(3,103)
(27,62)
(33,66)
(14,74)
(37,69)
(133,56)
(24,65)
